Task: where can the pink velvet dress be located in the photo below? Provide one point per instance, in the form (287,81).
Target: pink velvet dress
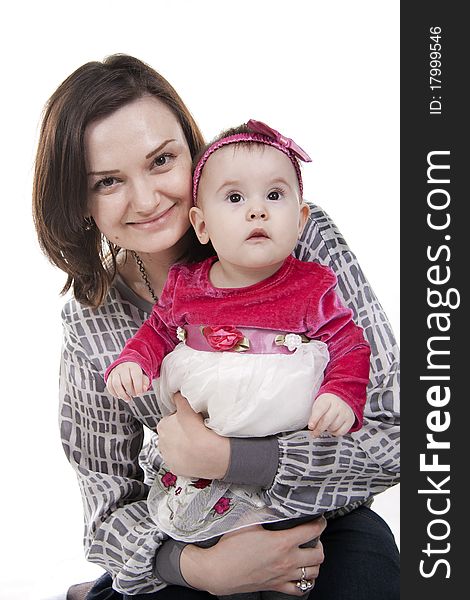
(251,360)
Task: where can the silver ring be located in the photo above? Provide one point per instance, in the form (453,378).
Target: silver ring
(304,584)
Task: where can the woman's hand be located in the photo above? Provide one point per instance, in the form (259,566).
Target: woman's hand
(188,447)
(254,559)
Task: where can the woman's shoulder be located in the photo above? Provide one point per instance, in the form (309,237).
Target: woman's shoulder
(103,330)
(321,239)
(73,311)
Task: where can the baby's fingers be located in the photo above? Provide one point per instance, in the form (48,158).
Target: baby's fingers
(342,424)
(146,382)
(320,408)
(139,380)
(339,427)
(116,387)
(321,424)
(121,381)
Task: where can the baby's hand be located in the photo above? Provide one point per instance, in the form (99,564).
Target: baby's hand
(330,413)
(127,380)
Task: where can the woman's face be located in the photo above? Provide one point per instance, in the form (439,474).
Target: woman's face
(139,176)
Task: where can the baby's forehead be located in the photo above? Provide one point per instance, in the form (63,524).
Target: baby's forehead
(246,157)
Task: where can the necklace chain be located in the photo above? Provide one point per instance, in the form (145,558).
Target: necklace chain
(144,275)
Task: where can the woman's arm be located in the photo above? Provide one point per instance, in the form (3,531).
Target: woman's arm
(102,441)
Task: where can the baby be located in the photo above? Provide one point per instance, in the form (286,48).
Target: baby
(255,339)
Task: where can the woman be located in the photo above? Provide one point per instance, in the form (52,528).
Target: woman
(112,191)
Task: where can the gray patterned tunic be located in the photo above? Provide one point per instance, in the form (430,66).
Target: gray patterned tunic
(103,437)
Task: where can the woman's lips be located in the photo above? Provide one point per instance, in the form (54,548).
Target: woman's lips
(159,219)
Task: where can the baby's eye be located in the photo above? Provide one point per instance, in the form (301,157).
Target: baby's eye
(274,195)
(234,198)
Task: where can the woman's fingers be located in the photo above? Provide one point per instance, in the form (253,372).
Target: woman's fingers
(301,534)
(309,572)
(182,405)
(188,447)
(311,559)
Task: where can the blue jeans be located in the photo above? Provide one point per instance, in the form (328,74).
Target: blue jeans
(361,563)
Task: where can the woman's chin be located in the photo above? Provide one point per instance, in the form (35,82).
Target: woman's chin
(162,243)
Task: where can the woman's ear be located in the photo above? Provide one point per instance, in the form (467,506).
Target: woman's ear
(196,216)
(304,212)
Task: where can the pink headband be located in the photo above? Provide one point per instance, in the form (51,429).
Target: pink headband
(262,134)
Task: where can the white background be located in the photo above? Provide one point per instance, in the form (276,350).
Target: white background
(323,73)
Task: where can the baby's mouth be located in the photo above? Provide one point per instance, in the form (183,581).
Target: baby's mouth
(258,234)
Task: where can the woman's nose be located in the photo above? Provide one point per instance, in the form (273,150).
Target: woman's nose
(257,213)
(144,196)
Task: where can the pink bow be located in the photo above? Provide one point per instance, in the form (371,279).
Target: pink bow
(259,127)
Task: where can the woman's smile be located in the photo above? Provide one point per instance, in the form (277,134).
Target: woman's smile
(158,220)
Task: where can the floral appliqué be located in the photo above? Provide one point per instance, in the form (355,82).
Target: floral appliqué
(222,505)
(200,484)
(181,334)
(291,340)
(169,480)
(224,338)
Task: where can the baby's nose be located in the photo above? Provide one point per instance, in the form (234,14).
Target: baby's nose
(257,213)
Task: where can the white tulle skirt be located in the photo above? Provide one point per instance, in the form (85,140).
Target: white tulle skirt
(240,395)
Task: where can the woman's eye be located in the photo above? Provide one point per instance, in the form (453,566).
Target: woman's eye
(274,196)
(162,160)
(234,198)
(106,182)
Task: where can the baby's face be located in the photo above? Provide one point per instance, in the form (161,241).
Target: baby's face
(249,205)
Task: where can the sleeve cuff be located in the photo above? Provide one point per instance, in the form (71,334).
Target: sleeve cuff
(253,461)
(167,563)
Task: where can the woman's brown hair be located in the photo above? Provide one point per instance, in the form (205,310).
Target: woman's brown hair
(95,90)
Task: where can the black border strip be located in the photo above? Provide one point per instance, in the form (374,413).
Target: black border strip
(434,267)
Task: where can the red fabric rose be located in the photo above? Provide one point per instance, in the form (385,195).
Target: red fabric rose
(200,484)
(222,505)
(222,338)
(169,479)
